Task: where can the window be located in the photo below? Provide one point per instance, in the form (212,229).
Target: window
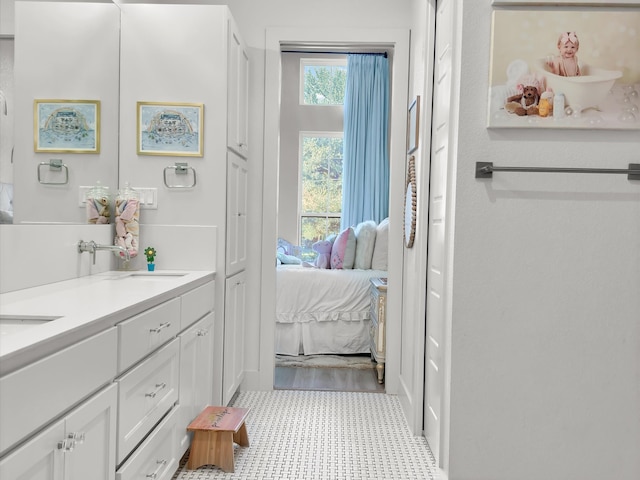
(323,81)
(320,188)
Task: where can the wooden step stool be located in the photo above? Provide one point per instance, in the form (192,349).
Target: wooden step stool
(216,429)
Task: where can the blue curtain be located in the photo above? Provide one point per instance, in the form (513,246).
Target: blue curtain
(365,173)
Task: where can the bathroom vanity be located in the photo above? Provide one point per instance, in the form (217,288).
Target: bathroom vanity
(100,376)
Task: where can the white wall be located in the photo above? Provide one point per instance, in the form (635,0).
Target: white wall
(545,372)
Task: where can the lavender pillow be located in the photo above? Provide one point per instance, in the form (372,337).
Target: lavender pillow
(343,252)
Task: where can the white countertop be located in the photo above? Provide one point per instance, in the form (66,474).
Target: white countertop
(86,306)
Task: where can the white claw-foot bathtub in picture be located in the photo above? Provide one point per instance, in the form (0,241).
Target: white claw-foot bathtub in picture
(597,99)
(589,90)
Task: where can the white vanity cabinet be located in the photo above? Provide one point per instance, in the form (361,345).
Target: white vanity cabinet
(196,374)
(116,404)
(77,447)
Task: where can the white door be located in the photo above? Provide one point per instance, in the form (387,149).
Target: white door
(436,274)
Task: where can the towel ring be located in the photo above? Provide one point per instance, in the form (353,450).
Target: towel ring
(180,168)
(56,165)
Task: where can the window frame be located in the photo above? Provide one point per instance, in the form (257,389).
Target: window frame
(301,135)
(339,61)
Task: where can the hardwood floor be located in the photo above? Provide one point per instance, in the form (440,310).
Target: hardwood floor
(328,379)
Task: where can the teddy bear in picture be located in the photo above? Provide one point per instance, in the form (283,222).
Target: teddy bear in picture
(323,249)
(525,102)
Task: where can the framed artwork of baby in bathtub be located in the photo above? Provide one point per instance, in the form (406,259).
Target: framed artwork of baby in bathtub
(576,67)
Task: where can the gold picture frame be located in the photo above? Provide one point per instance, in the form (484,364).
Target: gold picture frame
(66,126)
(168,128)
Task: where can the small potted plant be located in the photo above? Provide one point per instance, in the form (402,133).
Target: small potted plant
(150,253)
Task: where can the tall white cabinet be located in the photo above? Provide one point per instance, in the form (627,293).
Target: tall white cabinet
(193,54)
(236,221)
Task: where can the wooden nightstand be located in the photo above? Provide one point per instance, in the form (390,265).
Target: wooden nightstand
(377,328)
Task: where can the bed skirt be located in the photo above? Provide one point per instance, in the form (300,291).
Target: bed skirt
(313,338)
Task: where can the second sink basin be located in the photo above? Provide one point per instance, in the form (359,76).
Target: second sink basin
(16,323)
(139,276)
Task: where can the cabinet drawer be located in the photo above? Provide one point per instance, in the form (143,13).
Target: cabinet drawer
(145,394)
(196,304)
(144,333)
(37,393)
(156,457)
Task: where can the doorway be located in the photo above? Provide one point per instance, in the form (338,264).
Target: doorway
(328,345)
(399,40)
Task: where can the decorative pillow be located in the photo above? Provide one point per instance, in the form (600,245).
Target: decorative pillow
(288,259)
(365,241)
(381,248)
(284,246)
(344,249)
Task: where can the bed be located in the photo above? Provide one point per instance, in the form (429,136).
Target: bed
(326,310)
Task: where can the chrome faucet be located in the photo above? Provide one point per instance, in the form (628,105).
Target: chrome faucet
(92,247)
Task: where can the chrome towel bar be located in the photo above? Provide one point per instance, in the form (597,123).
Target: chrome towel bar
(486,169)
(180,168)
(55,165)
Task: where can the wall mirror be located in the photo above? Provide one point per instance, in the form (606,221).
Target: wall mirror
(37,68)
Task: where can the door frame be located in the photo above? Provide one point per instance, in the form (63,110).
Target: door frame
(400,40)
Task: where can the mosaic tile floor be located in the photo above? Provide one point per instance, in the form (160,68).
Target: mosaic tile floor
(312,435)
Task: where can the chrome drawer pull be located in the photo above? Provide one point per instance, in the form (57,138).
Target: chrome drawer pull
(159,386)
(161,464)
(66,445)
(160,327)
(76,437)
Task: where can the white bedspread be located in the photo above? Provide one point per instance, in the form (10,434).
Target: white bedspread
(312,294)
(323,311)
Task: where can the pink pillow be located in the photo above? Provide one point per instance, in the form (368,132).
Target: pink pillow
(343,252)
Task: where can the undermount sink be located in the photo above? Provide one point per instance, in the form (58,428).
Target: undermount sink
(149,276)
(16,323)
(157,275)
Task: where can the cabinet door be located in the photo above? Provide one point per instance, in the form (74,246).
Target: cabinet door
(38,459)
(188,384)
(234,324)
(243,101)
(196,375)
(92,427)
(204,361)
(238,92)
(237,177)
